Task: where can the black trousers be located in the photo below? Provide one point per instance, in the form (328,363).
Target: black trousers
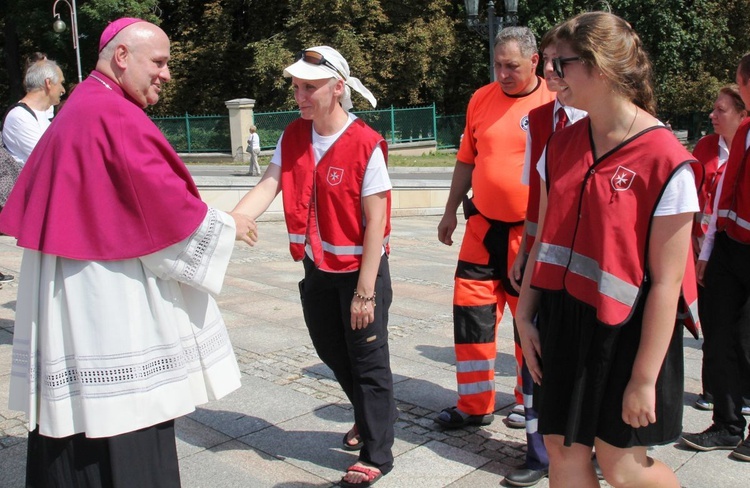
(359,359)
(144,458)
(706,390)
(726,330)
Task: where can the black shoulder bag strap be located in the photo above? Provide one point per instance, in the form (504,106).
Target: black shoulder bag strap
(23,106)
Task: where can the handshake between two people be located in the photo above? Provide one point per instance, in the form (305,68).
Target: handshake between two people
(246,228)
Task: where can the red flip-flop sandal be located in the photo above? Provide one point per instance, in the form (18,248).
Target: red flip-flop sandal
(372,474)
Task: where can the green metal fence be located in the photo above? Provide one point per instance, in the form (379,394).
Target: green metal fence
(396,125)
(210,133)
(196,133)
(449,130)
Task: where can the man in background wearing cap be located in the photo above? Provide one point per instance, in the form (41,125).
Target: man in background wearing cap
(490,163)
(337,197)
(116,332)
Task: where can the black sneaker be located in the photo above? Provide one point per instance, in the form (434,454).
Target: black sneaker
(711,439)
(5,278)
(524,476)
(742,452)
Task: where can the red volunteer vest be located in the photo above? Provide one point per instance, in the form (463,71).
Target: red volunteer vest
(541,121)
(707,154)
(323,204)
(734,202)
(595,237)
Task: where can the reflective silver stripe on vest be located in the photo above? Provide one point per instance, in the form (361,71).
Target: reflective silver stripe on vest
(552,254)
(732,215)
(330,248)
(694,310)
(341,250)
(608,284)
(691,314)
(477,365)
(346,250)
(531,228)
(474,388)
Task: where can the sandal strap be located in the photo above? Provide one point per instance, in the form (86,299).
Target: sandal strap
(369,472)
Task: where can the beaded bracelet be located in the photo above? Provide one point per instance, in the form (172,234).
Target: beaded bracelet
(366,299)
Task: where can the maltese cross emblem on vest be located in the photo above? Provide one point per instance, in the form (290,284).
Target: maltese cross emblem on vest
(622,179)
(335,175)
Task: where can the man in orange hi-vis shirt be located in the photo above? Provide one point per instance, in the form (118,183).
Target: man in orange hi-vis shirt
(490,162)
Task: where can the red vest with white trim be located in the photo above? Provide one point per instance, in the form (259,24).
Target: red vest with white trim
(734,202)
(541,120)
(323,203)
(594,242)
(706,151)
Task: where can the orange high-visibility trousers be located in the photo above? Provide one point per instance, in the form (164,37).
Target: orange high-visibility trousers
(479,298)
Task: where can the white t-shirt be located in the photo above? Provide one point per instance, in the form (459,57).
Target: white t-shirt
(21,132)
(376,178)
(253,140)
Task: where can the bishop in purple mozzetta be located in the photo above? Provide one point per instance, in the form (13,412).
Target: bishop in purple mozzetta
(117,332)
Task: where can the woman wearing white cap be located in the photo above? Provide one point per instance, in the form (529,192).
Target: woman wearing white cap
(337,197)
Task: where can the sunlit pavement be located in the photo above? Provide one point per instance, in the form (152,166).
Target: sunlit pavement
(284,427)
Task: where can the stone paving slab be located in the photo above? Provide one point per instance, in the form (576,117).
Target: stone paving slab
(234,464)
(13,465)
(310,442)
(283,428)
(432,465)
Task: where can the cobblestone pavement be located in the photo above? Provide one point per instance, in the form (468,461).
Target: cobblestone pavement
(283,428)
(287,368)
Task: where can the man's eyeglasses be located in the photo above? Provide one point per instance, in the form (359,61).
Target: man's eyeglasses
(558,63)
(318,60)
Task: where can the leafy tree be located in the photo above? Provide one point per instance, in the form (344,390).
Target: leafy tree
(27,27)
(399,49)
(405,51)
(408,52)
(210,57)
(694,44)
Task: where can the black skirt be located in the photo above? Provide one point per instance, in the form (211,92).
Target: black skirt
(586,367)
(144,458)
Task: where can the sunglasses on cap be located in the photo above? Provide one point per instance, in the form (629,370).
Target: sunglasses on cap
(318,60)
(558,63)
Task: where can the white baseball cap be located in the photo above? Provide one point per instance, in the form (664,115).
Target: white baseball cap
(323,62)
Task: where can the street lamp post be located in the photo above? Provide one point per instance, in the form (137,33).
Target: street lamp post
(492,25)
(59,26)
